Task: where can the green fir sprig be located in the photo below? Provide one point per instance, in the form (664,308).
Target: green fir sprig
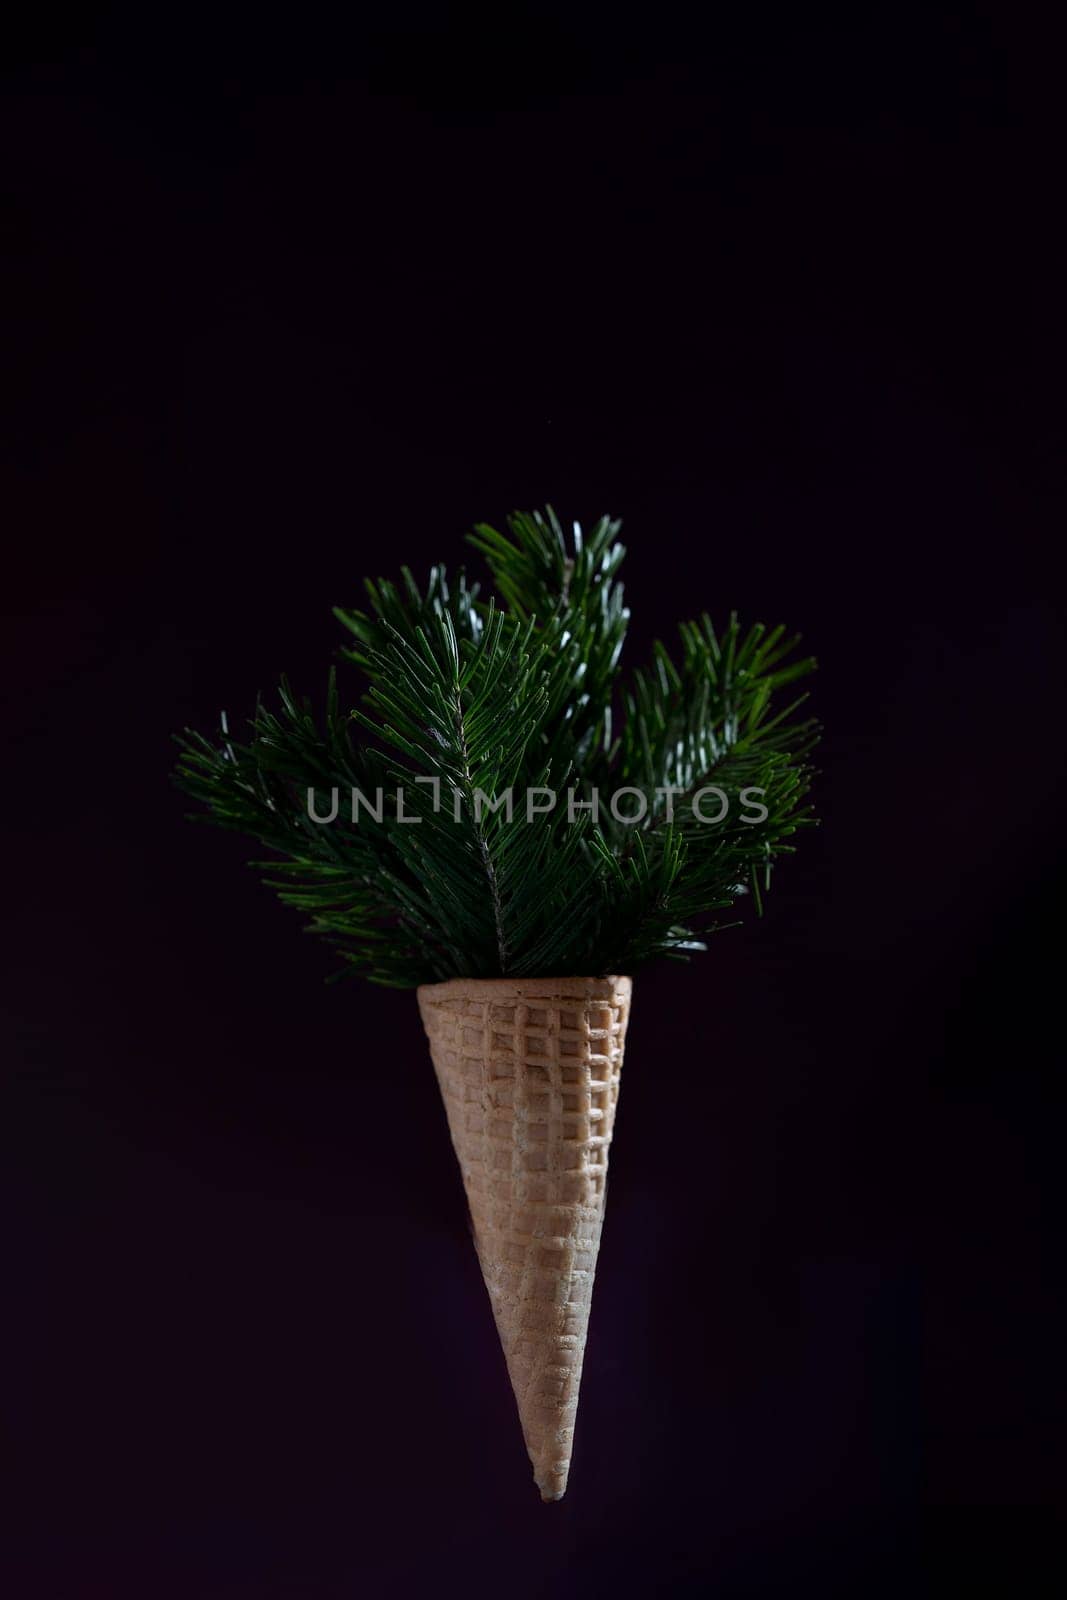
(468,699)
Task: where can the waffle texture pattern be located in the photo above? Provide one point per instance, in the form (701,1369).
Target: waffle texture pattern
(529,1074)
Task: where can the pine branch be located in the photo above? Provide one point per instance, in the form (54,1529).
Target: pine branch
(465,699)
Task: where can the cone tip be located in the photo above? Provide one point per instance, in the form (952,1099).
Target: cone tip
(551,1484)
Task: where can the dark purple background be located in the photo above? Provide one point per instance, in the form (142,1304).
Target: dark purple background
(290,307)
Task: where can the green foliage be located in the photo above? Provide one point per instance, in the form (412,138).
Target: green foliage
(466,699)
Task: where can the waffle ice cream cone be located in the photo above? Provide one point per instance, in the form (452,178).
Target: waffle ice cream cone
(529,1074)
